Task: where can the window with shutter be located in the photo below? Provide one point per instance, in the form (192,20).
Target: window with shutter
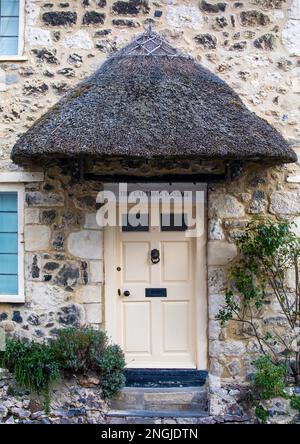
(11,254)
(8,243)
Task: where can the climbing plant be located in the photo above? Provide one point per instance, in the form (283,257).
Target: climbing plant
(267,271)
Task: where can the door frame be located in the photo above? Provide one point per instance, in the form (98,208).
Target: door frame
(111,300)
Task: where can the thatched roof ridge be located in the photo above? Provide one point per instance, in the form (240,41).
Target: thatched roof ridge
(149,100)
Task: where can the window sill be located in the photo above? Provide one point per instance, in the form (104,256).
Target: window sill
(15,58)
(12,299)
(21,177)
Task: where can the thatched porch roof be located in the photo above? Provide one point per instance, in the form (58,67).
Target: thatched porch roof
(150,101)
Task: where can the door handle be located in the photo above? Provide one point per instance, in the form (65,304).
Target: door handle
(126,293)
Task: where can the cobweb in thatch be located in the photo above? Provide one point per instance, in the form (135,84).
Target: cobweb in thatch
(149,43)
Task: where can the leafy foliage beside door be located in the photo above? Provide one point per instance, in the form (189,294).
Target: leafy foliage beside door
(268,271)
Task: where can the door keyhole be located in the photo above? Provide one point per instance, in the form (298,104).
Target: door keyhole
(155,256)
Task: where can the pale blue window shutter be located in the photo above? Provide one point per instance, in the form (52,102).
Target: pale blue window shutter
(9,27)
(8,243)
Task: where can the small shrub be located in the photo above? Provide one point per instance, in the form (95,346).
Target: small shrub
(111,366)
(78,349)
(32,364)
(269,378)
(35,366)
(295,403)
(83,350)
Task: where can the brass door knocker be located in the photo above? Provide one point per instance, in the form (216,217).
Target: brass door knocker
(155,257)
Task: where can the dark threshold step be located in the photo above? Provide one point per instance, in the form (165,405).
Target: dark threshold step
(165,377)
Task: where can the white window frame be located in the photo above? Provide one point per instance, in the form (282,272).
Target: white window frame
(20,297)
(21,37)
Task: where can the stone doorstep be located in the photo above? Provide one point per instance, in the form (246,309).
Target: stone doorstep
(170,417)
(161,399)
(156,414)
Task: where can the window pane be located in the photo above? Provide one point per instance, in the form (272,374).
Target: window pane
(142,226)
(8,243)
(8,201)
(9,26)
(8,264)
(173,222)
(8,222)
(8,46)
(8,284)
(9,7)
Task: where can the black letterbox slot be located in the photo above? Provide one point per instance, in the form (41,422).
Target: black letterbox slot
(155,292)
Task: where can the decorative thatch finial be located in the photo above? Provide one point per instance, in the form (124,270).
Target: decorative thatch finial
(148,27)
(148,44)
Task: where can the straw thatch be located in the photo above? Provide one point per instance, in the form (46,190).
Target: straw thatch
(150,101)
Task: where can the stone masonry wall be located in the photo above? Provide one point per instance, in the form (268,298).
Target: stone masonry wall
(72,401)
(258,191)
(63,258)
(254,45)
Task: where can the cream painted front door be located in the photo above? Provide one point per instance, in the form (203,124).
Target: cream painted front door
(156,309)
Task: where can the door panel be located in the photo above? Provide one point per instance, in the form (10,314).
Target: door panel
(137,318)
(175,264)
(135,261)
(157,331)
(176,326)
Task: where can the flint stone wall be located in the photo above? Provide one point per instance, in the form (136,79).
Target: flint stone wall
(63,259)
(72,402)
(258,191)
